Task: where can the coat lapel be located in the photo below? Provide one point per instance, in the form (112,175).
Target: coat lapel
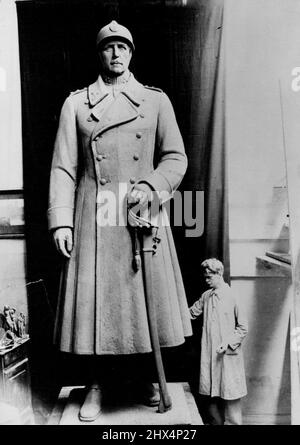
(95,93)
(124,108)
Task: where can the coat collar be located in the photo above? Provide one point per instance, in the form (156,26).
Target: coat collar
(123,109)
(220,291)
(119,112)
(133,90)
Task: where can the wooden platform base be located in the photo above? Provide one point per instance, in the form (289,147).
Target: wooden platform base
(184,410)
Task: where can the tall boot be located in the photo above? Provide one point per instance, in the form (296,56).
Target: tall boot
(92,406)
(149,394)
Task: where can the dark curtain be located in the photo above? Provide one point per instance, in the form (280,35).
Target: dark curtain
(197,85)
(179,49)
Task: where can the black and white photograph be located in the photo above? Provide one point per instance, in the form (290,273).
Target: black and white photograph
(149,215)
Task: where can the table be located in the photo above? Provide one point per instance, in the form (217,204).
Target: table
(15,379)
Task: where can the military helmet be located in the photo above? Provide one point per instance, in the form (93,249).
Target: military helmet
(114,31)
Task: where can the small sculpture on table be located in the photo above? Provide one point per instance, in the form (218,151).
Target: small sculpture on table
(12,327)
(21,325)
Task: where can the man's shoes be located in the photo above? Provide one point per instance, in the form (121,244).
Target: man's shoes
(91,408)
(150,395)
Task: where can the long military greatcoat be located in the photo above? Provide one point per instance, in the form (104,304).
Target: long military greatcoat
(102,146)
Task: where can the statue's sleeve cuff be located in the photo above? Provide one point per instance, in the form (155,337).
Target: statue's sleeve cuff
(60,217)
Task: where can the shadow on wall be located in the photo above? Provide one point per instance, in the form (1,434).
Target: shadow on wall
(43,357)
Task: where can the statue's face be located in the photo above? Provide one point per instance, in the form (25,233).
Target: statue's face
(115,57)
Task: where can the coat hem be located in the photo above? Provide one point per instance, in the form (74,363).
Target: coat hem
(140,351)
(222,397)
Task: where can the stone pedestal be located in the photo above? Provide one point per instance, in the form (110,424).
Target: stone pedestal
(184,410)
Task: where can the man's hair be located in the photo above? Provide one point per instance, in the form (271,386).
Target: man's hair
(213,265)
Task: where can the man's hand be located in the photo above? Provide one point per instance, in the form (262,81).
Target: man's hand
(222,348)
(63,239)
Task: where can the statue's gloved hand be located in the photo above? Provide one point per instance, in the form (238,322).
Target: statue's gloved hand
(63,239)
(138,199)
(140,194)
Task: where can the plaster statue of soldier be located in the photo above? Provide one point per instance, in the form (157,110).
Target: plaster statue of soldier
(114,135)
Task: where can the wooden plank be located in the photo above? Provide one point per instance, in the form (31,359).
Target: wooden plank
(270,267)
(60,405)
(290,109)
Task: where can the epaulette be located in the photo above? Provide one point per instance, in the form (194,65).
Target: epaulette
(153,88)
(78,91)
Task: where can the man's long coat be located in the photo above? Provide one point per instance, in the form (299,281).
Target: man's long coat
(224,322)
(103,146)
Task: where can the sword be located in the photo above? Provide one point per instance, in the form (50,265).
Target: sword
(149,245)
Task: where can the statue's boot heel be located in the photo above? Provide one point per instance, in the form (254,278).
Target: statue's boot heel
(150,395)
